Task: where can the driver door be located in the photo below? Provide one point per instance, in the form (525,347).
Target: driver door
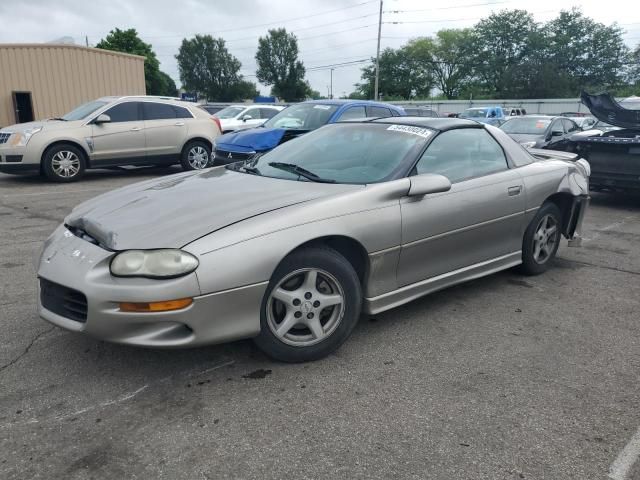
(120,140)
(481,218)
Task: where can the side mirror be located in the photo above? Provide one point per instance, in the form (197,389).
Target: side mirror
(102,118)
(556,133)
(428,183)
(246,117)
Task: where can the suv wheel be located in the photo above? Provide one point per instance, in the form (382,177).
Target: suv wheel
(63,163)
(196,155)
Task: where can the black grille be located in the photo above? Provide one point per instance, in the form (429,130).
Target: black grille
(4,137)
(63,301)
(235,156)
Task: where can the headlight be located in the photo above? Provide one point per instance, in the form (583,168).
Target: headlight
(20,139)
(528,144)
(165,263)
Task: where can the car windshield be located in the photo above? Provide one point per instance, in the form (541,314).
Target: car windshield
(604,125)
(526,125)
(303,116)
(84,110)
(344,153)
(229,112)
(474,113)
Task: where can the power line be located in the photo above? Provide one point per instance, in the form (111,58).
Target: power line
(448,8)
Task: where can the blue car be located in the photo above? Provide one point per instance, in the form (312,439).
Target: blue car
(294,121)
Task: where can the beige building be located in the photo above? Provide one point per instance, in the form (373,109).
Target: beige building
(47,80)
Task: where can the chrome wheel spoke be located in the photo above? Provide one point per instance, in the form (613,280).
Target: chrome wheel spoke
(329,300)
(287,324)
(315,327)
(310,281)
(285,296)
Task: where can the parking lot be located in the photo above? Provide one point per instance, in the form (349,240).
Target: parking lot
(506,377)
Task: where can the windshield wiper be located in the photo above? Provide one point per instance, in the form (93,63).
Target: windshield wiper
(298,170)
(59,118)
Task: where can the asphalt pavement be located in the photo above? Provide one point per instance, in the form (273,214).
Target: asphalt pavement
(506,377)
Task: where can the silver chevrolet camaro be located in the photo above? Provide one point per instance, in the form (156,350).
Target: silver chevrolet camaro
(290,247)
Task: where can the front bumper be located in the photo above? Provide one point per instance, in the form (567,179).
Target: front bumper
(225,157)
(17,160)
(217,317)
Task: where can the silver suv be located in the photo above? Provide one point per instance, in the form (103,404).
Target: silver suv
(108,132)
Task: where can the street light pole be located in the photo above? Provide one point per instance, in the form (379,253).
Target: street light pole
(331,94)
(375,92)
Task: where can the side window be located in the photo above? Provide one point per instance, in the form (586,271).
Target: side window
(158,111)
(353,112)
(182,112)
(570,126)
(395,113)
(462,154)
(267,112)
(556,126)
(124,112)
(254,113)
(378,112)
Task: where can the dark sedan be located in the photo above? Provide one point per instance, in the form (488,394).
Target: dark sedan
(541,131)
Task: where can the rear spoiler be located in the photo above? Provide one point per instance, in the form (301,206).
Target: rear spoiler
(552,154)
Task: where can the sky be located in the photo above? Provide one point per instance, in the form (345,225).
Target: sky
(330,32)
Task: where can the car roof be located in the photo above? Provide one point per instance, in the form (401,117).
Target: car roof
(441,124)
(343,102)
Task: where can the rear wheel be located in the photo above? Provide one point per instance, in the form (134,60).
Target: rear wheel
(311,306)
(541,239)
(63,163)
(196,155)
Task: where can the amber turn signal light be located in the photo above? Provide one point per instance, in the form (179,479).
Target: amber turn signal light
(165,306)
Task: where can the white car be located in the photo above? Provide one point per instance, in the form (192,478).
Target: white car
(242,117)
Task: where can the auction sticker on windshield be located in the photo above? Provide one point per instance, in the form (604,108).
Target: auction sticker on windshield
(423,132)
(322,107)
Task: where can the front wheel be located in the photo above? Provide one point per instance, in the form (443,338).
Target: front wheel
(541,240)
(63,163)
(196,155)
(311,306)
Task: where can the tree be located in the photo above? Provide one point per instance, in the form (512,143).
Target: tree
(502,43)
(445,58)
(128,41)
(207,67)
(168,86)
(588,54)
(278,65)
(401,77)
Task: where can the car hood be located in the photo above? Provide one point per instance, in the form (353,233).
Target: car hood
(606,109)
(256,139)
(173,211)
(45,124)
(525,137)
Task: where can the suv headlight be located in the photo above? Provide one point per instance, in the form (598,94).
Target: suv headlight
(20,139)
(163,263)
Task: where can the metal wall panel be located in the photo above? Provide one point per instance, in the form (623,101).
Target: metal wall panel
(61,77)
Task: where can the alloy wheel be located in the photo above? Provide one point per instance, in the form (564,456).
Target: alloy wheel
(545,238)
(198,157)
(65,164)
(305,307)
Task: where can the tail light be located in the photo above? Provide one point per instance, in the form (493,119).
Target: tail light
(216,120)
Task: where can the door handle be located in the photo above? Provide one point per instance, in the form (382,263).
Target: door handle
(515,190)
(179,124)
(136,129)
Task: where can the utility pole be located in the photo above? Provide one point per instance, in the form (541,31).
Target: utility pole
(331,91)
(86,40)
(375,91)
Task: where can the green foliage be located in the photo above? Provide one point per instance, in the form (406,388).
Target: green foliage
(509,55)
(402,77)
(207,67)
(278,65)
(128,41)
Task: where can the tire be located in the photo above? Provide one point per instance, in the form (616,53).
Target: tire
(64,163)
(196,155)
(539,247)
(313,317)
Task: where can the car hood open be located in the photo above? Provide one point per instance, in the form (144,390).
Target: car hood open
(258,139)
(173,211)
(606,109)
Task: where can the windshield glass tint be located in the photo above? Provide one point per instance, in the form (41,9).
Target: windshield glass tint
(229,112)
(474,113)
(303,116)
(347,153)
(526,126)
(84,110)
